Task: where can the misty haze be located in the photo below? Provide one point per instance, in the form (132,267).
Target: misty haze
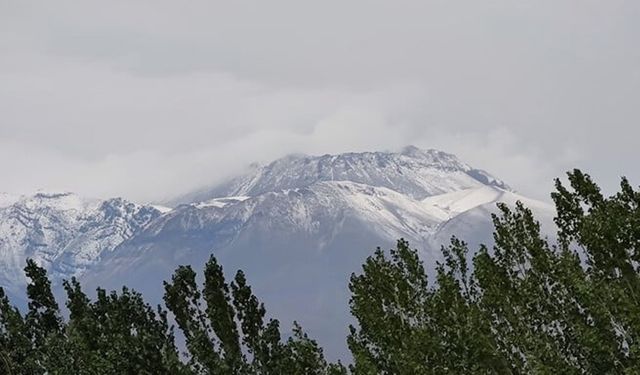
(367,187)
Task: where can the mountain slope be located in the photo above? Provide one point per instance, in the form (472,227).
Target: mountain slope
(298,227)
(62,232)
(319,213)
(470,213)
(299,246)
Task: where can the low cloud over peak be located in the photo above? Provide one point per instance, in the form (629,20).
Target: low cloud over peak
(151,99)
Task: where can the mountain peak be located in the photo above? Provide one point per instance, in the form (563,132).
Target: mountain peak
(7,199)
(413,171)
(62,231)
(433,155)
(413,151)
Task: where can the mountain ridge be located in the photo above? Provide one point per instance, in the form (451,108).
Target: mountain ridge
(413,171)
(63,232)
(298,227)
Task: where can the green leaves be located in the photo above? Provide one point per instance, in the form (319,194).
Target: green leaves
(388,300)
(116,334)
(226,333)
(43,317)
(405,327)
(15,344)
(524,307)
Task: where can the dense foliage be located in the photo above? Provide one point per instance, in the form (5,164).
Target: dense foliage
(115,334)
(522,307)
(119,333)
(226,333)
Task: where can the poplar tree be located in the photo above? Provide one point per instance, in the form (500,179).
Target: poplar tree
(226,330)
(523,306)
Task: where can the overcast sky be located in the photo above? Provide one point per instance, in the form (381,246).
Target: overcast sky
(145,99)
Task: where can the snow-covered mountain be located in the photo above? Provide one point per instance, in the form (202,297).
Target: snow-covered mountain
(469,214)
(62,232)
(298,227)
(301,225)
(413,172)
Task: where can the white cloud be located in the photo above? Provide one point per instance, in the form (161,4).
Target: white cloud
(151,98)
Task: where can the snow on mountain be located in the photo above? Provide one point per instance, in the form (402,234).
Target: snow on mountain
(297,246)
(414,172)
(298,227)
(104,228)
(470,212)
(319,209)
(7,199)
(62,232)
(457,202)
(317,212)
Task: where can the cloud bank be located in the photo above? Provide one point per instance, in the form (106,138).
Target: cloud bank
(154,98)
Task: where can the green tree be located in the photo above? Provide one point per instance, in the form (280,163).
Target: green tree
(116,334)
(525,306)
(226,333)
(15,344)
(407,327)
(119,334)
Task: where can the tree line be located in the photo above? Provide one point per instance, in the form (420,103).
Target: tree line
(524,306)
